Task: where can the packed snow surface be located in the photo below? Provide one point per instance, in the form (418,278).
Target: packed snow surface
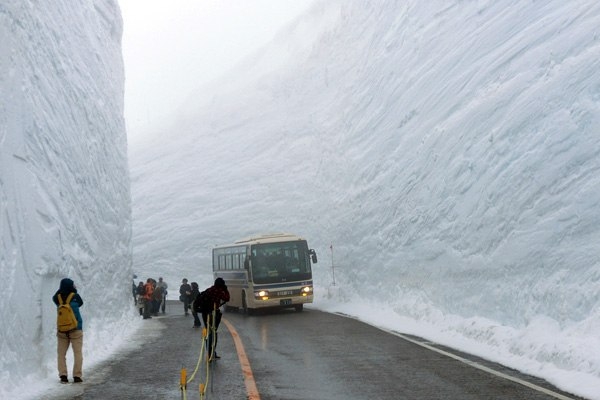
(447,151)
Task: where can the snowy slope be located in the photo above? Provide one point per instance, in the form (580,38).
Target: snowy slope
(448,150)
(64,185)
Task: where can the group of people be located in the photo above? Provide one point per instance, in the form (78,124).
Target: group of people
(188,295)
(150,297)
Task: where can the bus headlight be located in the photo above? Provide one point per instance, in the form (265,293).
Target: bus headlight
(263,294)
(306,290)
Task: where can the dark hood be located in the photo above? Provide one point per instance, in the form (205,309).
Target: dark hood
(67,286)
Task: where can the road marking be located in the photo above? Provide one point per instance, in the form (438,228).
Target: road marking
(467,361)
(249,381)
(482,367)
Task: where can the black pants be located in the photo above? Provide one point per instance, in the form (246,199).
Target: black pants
(186,304)
(207,319)
(147,308)
(196,319)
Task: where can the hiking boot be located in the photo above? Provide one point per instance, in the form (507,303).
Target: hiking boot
(64,379)
(77,379)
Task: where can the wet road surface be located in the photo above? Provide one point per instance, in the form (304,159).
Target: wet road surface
(292,355)
(324,356)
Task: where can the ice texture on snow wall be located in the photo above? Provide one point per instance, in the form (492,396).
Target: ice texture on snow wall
(64,181)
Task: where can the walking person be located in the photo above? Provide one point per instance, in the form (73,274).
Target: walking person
(156,300)
(148,292)
(74,338)
(140,291)
(217,296)
(185,291)
(163,285)
(195,293)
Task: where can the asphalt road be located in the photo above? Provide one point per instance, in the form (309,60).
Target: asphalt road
(292,355)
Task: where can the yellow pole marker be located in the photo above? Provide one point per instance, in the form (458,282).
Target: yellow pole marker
(201,387)
(183,378)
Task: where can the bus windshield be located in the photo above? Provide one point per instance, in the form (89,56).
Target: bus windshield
(280,262)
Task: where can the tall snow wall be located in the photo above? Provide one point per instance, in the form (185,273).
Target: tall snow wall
(64,182)
(448,150)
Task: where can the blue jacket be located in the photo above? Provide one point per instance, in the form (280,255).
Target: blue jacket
(66,287)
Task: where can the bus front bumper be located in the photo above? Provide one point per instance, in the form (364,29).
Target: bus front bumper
(283,301)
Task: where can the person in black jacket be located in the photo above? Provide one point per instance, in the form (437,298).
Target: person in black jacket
(195,293)
(216,296)
(185,291)
(72,338)
(140,291)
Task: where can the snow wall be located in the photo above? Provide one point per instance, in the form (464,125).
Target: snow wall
(64,182)
(449,151)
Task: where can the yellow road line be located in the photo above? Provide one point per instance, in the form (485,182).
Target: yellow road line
(249,381)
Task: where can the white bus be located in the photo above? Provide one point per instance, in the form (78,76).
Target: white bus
(266,271)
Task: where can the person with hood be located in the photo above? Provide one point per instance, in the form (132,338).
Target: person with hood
(185,291)
(217,296)
(195,293)
(73,338)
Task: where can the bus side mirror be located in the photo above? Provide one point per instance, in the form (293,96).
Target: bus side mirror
(313,255)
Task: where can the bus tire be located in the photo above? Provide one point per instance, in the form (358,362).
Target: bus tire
(299,307)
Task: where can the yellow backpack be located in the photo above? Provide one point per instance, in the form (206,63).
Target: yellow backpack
(65,319)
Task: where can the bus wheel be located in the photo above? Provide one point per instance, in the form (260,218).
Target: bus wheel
(299,307)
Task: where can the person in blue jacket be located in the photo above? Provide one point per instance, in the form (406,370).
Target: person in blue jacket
(72,338)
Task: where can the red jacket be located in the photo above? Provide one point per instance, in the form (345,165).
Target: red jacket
(218,295)
(149,291)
